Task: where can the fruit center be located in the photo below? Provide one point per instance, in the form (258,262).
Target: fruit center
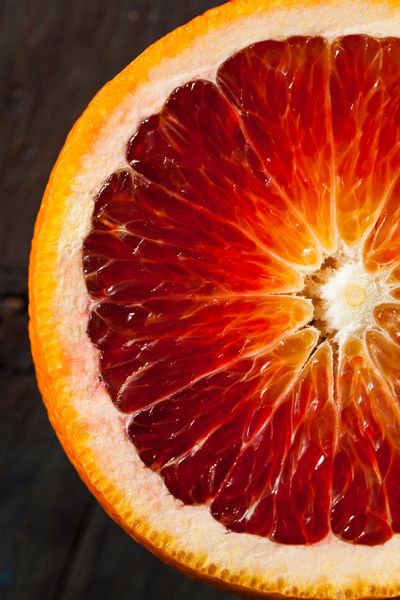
(344,296)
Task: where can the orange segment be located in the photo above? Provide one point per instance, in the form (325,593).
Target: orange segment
(279,485)
(280,90)
(366,497)
(388,317)
(364,93)
(386,356)
(394,277)
(382,247)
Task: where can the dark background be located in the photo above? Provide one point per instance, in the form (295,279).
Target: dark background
(55,541)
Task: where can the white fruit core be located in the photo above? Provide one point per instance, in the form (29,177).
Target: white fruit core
(344,295)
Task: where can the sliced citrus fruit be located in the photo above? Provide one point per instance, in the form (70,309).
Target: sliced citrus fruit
(215,288)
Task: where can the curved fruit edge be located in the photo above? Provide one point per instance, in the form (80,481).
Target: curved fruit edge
(50,363)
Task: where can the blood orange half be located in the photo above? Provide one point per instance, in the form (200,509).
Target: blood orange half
(215,288)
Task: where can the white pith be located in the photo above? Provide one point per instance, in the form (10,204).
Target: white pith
(350,296)
(193,528)
(346,294)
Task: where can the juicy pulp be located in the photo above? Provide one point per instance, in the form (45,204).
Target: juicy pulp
(196,262)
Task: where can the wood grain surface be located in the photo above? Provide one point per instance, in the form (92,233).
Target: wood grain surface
(56,543)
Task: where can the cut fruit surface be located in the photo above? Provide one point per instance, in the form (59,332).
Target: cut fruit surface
(185,252)
(215,299)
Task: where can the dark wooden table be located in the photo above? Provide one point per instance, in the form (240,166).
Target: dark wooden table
(55,541)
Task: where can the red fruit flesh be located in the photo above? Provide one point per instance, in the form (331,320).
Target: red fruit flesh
(194,262)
